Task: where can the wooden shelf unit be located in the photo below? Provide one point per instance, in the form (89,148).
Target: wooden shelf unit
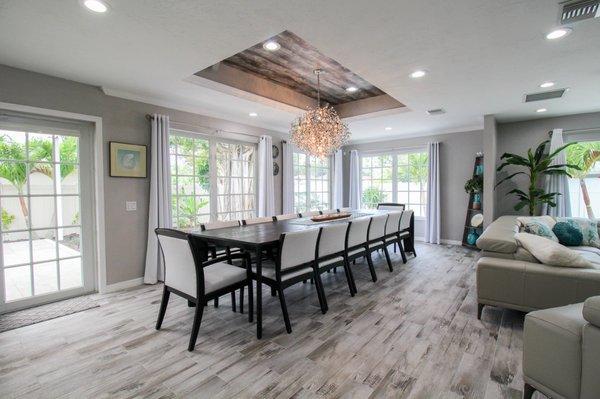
(470,210)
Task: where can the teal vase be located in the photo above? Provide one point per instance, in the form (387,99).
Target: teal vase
(472,237)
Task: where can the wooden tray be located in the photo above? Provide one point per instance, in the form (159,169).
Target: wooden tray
(330,216)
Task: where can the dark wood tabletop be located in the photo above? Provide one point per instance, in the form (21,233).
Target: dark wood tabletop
(266,234)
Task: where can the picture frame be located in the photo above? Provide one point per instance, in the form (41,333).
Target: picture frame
(128,160)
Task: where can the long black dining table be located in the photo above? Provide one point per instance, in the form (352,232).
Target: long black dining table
(257,238)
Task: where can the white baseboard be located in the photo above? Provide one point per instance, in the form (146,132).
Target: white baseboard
(442,241)
(123,285)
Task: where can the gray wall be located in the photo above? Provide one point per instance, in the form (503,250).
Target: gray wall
(517,137)
(490,143)
(123,120)
(457,156)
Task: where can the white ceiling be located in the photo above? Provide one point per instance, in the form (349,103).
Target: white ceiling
(482,55)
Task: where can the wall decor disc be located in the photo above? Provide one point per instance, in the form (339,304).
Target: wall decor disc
(275,169)
(275,150)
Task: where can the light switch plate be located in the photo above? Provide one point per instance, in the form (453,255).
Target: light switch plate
(130,205)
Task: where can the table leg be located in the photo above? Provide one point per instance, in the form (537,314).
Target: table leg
(259,293)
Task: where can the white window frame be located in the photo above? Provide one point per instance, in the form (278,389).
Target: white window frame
(212,145)
(394,154)
(308,191)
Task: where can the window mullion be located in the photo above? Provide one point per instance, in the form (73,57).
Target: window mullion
(212,173)
(395,178)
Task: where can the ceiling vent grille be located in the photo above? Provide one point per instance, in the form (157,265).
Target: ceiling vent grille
(547,95)
(437,111)
(579,10)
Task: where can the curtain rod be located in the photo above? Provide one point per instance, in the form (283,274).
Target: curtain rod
(150,117)
(387,150)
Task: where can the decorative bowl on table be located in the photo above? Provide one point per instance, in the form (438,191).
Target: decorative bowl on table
(330,216)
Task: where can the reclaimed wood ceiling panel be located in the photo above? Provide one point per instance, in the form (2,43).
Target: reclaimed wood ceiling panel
(293,64)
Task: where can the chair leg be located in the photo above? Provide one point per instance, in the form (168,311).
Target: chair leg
(349,277)
(163,307)
(286,317)
(394,247)
(242,300)
(195,327)
(191,304)
(233,301)
(371,268)
(250,301)
(216,302)
(273,292)
(321,292)
(402,252)
(528,391)
(334,270)
(387,258)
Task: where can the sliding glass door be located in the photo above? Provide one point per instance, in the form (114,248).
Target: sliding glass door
(45,251)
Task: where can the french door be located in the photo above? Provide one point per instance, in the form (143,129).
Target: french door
(46,244)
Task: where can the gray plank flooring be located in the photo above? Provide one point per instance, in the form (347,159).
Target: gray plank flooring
(412,334)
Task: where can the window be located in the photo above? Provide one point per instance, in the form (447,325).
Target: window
(397,177)
(190,180)
(311,182)
(199,164)
(584,186)
(235,181)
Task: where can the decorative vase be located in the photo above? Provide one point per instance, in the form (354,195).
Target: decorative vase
(476,201)
(479,169)
(472,237)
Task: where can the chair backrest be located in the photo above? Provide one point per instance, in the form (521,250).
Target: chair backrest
(329,211)
(180,268)
(348,209)
(298,248)
(390,206)
(287,216)
(377,227)
(219,225)
(405,219)
(332,239)
(264,219)
(393,223)
(357,233)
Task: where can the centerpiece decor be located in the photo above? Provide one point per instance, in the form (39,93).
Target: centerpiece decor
(319,132)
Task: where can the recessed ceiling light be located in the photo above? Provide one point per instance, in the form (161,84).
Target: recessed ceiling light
(351,89)
(388,128)
(271,45)
(253,114)
(96,5)
(547,84)
(540,110)
(418,74)
(558,33)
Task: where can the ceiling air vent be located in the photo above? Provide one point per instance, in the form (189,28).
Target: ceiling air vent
(437,111)
(574,11)
(546,95)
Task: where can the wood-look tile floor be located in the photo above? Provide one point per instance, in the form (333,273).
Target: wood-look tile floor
(412,334)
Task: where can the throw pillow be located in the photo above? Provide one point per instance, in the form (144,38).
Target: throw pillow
(589,230)
(540,229)
(551,253)
(568,234)
(547,220)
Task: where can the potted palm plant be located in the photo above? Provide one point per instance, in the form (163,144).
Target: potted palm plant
(537,164)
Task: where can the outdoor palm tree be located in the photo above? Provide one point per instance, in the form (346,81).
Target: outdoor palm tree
(585,155)
(14,172)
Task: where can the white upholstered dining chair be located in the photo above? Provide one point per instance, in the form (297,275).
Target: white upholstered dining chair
(376,237)
(198,281)
(264,219)
(392,232)
(356,243)
(331,252)
(308,214)
(287,216)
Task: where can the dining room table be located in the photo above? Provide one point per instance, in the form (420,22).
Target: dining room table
(258,238)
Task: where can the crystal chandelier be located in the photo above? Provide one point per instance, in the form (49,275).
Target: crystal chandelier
(320,131)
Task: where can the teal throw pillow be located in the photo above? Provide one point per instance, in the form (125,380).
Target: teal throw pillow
(540,229)
(589,230)
(568,234)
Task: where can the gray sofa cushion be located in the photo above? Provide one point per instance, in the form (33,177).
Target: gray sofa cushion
(591,310)
(500,236)
(558,368)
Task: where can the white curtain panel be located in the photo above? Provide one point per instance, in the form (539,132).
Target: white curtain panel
(159,212)
(338,180)
(354,197)
(287,174)
(557,183)
(432,224)
(266,182)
